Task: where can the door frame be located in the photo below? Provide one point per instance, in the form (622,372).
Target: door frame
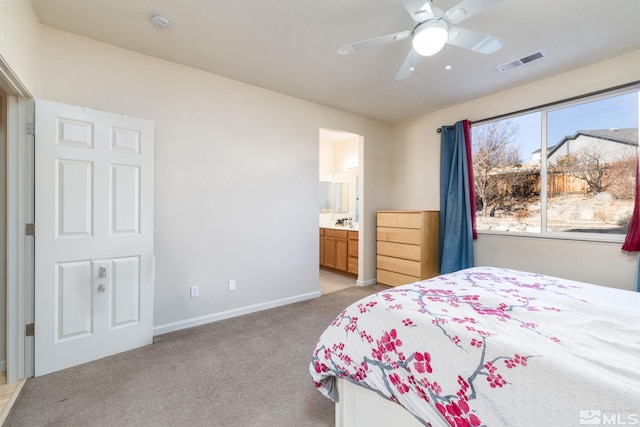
(20,248)
(19,278)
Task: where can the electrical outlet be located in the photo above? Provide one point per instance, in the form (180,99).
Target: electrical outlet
(232,285)
(194,292)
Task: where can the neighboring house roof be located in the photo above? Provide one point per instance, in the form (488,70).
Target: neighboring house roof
(628,136)
(623,136)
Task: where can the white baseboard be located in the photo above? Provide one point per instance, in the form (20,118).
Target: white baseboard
(366,282)
(214,317)
(3,365)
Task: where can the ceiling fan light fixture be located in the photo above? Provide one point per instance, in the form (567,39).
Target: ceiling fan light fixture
(430,37)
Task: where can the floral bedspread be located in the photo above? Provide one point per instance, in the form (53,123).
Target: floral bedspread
(491,347)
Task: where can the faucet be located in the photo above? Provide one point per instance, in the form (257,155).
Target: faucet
(344,221)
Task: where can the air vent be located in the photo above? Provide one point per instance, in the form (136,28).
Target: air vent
(522,61)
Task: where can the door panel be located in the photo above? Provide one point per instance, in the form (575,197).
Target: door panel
(94,235)
(125,200)
(74,190)
(75,133)
(73,300)
(341,254)
(126,291)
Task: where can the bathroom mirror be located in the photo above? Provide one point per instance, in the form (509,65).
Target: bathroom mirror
(325,196)
(341,197)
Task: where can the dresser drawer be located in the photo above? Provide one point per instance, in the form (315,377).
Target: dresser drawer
(407,246)
(400,250)
(405,266)
(391,278)
(400,235)
(400,219)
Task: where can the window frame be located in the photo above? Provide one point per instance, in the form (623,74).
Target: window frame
(544,110)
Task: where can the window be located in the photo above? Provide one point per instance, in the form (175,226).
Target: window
(564,171)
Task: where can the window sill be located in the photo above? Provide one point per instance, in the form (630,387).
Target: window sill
(581,237)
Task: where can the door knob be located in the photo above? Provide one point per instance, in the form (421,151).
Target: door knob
(102,288)
(102,272)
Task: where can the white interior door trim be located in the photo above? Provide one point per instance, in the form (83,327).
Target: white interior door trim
(10,83)
(19,248)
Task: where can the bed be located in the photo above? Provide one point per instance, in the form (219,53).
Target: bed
(484,347)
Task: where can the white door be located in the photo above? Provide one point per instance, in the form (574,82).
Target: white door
(93,235)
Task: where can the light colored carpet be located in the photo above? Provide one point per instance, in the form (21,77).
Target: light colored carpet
(246,371)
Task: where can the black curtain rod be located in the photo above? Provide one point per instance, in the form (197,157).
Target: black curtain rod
(550,104)
(439,130)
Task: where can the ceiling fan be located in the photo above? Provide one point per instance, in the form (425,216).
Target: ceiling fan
(432,30)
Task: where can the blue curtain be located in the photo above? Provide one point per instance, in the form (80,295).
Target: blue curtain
(456,189)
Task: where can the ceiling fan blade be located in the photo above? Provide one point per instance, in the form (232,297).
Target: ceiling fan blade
(474,40)
(389,38)
(408,65)
(420,10)
(466,9)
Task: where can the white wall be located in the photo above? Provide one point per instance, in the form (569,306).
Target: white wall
(236,175)
(20,47)
(326,160)
(416,176)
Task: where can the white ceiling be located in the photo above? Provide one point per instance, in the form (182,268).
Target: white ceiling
(289,46)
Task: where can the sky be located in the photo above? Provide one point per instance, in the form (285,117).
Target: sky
(620,111)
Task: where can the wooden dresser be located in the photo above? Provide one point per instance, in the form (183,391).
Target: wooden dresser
(408,246)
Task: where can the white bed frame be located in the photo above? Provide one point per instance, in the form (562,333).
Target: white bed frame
(361,407)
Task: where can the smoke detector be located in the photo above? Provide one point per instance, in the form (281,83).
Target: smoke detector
(160,21)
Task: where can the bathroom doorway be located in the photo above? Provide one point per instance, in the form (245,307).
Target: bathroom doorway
(340,183)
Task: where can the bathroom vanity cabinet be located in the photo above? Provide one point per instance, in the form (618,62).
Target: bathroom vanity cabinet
(339,250)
